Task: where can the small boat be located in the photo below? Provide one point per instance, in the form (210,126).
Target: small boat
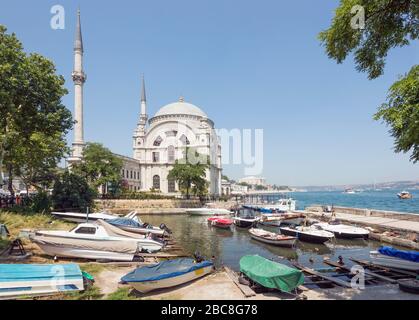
(83,217)
(167,274)
(350,191)
(272,238)
(134,226)
(344,231)
(17,280)
(404,195)
(279,219)
(308,234)
(222,223)
(398,259)
(100,241)
(245,218)
(208,210)
(270,274)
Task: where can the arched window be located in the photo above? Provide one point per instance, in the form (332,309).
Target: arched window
(158,141)
(171,185)
(156,182)
(171,154)
(184,139)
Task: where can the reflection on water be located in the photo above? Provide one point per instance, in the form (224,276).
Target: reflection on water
(228,246)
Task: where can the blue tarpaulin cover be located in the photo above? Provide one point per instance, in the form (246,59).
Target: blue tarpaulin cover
(405,255)
(164,270)
(125,222)
(32,272)
(264,210)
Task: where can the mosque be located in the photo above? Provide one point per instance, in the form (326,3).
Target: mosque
(157,142)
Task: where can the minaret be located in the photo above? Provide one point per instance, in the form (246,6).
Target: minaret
(140,131)
(79,78)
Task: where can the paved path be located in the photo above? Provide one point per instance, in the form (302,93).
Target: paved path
(406,225)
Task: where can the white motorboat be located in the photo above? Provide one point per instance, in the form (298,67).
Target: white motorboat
(393,258)
(272,238)
(167,274)
(100,241)
(308,234)
(405,195)
(344,231)
(209,210)
(278,219)
(82,217)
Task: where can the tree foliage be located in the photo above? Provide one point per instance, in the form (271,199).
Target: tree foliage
(34,121)
(401,113)
(72,191)
(388,24)
(190,173)
(99,166)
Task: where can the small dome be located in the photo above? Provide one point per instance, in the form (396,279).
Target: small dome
(181,107)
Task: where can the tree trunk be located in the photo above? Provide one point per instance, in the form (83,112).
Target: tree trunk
(10,181)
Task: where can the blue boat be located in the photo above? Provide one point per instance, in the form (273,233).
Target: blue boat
(167,274)
(17,280)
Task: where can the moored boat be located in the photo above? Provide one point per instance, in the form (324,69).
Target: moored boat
(270,274)
(398,259)
(100,241)
(308,234)
(278,219)
(131,225)
(245,218)
(18,280)
(222,223)
(272,238)
(344,231)
(167,274)
(83,217)
(207,211)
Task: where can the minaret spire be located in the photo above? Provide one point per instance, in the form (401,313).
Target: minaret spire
(143,99)
(79,78)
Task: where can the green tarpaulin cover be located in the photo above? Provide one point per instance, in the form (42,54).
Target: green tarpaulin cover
(271,274)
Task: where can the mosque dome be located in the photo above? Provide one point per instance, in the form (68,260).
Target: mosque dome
(181,107)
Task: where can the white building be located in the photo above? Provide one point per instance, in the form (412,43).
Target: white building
(158,142)
(254,181)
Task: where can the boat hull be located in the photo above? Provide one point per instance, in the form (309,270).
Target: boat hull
(82,217)
(68,252)
(244,223)
(144,231)
(305,237)
(279,243)
(148,286)
(392,262)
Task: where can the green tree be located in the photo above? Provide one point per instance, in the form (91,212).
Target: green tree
(190,173)
(388,24)
(34,121)
(99,167)
(72,191)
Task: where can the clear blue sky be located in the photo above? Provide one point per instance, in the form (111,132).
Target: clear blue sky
(248,64)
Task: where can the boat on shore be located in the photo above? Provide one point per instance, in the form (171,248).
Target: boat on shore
(398,259)
(17,280)
(167,274)
(222,223)
(272,238)
(270,274)
(100,241)
(343,231)
(134,226)
(308,234)
(83,217)
(405,195)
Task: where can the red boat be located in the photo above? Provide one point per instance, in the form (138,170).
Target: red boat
(222,223)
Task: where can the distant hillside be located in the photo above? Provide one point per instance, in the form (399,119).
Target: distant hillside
(396,185)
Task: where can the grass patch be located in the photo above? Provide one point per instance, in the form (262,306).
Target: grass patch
(92,293)
(4,244)
(18,221)
(122,294)
(93,269)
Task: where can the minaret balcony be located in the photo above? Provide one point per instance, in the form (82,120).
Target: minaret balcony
(79,77)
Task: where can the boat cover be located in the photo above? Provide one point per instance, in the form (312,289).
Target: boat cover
(32,272)
(125,222)
(165,270)
(117,232)
(405,255)
(271,274)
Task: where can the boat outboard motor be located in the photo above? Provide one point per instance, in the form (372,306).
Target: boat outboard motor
(165,228)
(198,257)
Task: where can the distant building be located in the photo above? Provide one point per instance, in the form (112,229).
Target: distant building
(237,189)
(225,187)
(254,181)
